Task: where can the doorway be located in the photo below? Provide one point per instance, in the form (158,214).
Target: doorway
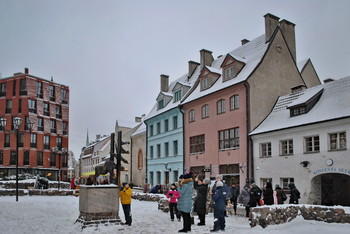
(335,189)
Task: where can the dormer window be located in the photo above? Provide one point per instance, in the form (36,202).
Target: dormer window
(205,83)
(298,111)
(161,104)
(177,96)
(305,102)
(229,73)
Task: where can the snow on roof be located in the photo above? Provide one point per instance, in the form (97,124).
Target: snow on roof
(302,64)
(306,96)
(214,70)
(252,53)
(183,80)
(141,129)
(334,103)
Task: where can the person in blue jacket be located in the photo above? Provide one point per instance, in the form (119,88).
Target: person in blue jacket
(184,203)
(219,198)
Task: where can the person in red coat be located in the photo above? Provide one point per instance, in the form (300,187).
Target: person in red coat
(173,195)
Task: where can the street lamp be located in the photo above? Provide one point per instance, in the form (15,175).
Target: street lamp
(17,121)
(55,151)
(64,151)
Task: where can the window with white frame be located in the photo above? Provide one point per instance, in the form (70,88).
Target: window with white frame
(205,111)
(229,139)
(265,150)
(151,130)
(205,83)
(337,141)
(160,104)
(234,102)
(312,144)
(177,95)
(175,148)
(191,115)
(175,122)
(229,73)
(221,106)
(286,181)
(158,128)
(32,106)
(197,144)
(166,125)
(286,147)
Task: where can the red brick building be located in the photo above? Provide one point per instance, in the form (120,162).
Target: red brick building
(46,105)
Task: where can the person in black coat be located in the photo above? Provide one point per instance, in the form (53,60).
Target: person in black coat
(200,205)
(294,194)
(268,194)
(234,190)
(219,208)
(254,195)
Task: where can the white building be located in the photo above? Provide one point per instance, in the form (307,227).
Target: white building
(71,165)
(303,140)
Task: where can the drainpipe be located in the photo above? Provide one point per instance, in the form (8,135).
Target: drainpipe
(146,178)
(130,159)
(250,163)
(183,138)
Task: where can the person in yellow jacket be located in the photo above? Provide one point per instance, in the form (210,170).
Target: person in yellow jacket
(125,199)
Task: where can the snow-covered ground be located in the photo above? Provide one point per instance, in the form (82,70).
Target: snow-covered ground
(44,214)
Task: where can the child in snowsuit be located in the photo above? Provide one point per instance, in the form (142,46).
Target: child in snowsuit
(219,208)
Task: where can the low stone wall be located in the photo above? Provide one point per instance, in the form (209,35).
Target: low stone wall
(36,192)
(147,197)
(30,185)
(271,215)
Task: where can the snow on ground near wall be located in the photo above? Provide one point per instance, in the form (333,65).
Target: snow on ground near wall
(48,214)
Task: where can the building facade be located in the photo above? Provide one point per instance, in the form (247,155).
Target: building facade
(304,141)
(138,156)
(43,150)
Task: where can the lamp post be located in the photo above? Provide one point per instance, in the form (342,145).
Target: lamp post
(64,151)
(55,151)
(17,121)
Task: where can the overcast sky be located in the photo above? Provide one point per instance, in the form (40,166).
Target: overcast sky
(111,53)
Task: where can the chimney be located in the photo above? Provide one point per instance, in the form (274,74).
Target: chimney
(328,80)
(206,57)
(288,32)
(271,23)
(26,70)
(298,88)
(98,137)
(138,119)
(244,41)
(164,83)
(192,67)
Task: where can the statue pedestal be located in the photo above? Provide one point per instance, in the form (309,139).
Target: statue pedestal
(98,205)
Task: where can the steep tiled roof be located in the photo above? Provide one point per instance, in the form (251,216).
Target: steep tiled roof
(334,103)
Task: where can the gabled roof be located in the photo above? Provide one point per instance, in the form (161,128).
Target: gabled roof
(252,52)
(301,65)
(180,84)
(334,103)
(237,58)
(162,94)
(306,97)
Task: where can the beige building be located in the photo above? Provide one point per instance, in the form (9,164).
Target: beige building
(138,156)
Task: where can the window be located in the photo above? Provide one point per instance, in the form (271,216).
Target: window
(151,178)
(64,96)
(298,111)
(263,181)
(20,139)
(160,104)
(166,148)
(20,106)
(166,125)
(177,96)
(14,88)
(205,111)
(175,147)
(32,140)
(337,141)
(52,93)
(140,160)
(191,116)
(229,139)
(58,112)
(32,106)
(286,147)
(151,152)
(312,144)
(59,142)
(175,122)
(197,144)
(234,102)
(151,130)
(53,126)
(46,142)
(2,89)
(64,160)
(158,128)
(8,106)
(26,158)
(46,109)
(52,160)
(7,140)
(229,73)
(265,150)
(39,89)
(158,151)
(286,181)
(39,158)
(205,83)
(40,124)
(1,157)
(158,177)
(221,106)
(23,87)
(65,128)
(13,158)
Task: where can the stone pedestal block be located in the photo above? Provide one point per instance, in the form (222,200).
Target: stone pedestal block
(98,205)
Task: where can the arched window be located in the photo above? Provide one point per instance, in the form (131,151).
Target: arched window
(205,111)
(191,116)
(234,102)
(221,106)
(140,160)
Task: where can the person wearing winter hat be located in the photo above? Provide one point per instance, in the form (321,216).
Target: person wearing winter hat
(173,196)
(200,205)
(184,203)
(219,208)
(125,194)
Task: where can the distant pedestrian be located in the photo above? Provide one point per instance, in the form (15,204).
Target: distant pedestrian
(244,198)
(200,205)
(125,194)
(225,189)
(280,195)
(268,194)
(219,198)
(234,191)
(173,196)
(294,194)
(255,196)
(184,203)
(90,180)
